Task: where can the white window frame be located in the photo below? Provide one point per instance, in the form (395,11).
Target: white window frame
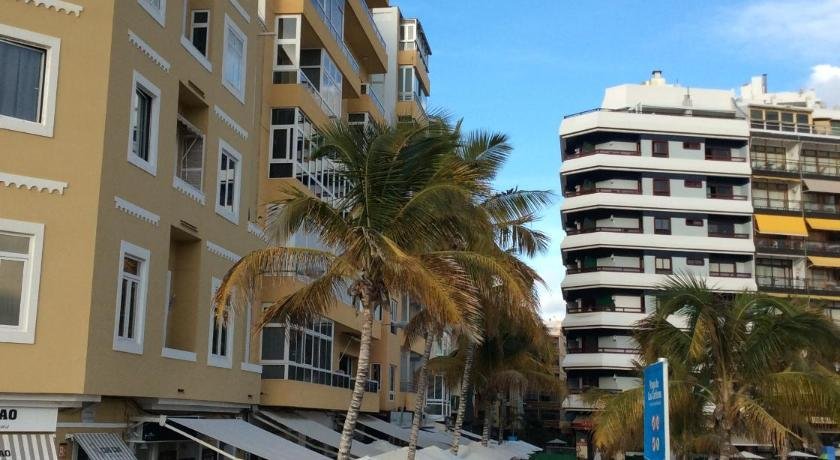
(233,216)
(134,345)
(204,25)
(52,46)
(149,166)
(186,41)
(247,364)
(159,14)
(226,360)
(24,332)
(231,27)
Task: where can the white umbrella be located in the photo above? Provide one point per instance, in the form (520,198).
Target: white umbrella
(797,453)
(747,454)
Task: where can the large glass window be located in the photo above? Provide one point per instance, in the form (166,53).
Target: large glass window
(20,266)
(131,298)
(21,80)
(235,52)
(309,346)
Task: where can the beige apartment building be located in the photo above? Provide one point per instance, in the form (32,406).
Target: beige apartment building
(139,143)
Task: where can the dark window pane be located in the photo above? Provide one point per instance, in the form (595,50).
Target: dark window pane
(21,80)
(199,39)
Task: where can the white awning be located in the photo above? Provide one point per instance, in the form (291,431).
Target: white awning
(424,438)
(103,446)
(822,186)
(244,436)
(29,446)
(299,423)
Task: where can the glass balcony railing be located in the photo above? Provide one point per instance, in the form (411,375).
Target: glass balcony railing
(590,190)
(304,80)
(366,89)
(798,128)
(798,284)
(603,268)
(579,231)
(777,204)
(591,307)
(372,23)
(338,36)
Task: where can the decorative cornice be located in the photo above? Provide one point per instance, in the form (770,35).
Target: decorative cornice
(136,211)
(59,6)
(241,10)
(29,183)
(257,230)
(228,120)
(222,252)
(135,40)
(188,190)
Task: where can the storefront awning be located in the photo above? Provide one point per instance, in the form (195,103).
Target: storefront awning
(103,446)
(822,186)
(29,446)
(832,225)
(242,435)
(829,262)
(781,225)
(424,438)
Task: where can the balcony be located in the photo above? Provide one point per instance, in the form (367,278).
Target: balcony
(588,308)
(725,196)
(586,153)
(822,208)
(305,393)
(823,247)
(723,154)
(590,190)
(337,34)
(597,229)
(777,204)
(630,351)
(361,33)
(604,268)
(765,244)
(727,234)
(603,119)
(729,274)
(617,358)
(775,165)
(794,128)
(788,167)
(797,284)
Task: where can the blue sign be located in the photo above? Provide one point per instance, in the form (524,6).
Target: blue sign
(657,445)
(829,453)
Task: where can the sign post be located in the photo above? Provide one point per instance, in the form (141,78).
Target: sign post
(657,433)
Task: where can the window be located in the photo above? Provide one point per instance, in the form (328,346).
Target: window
(663,265)
(28,79)
(725,268)
(660,148)
(376,372)
(287,50)
(143,135)
(393,312)
(190,165)
(200,30)
(132,285)
(220,338)
(692,145)
(233,61)
(693,183)
(230,176)
(694,222)
(21,244)
(695,260)
(392,376)
(662,225)
(661,186)
(155,8)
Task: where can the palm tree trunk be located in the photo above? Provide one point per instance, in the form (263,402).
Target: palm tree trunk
(499,408)
(488,419)
(419,400)
(462,406)
(359,387)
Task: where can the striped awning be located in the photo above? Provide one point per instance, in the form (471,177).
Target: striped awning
(29,446)
(103,446)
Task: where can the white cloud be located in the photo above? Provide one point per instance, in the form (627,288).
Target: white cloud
(785,28)
(825,79)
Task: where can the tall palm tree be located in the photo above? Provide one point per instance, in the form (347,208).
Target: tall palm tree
(405,195)
(745,364)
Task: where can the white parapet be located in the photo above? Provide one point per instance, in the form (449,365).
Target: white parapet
(648,280)
(654,241)
(657,203)
(655,164)
(605,120)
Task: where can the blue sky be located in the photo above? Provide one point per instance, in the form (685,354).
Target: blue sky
(519,66)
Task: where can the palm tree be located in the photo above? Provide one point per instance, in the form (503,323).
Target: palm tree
(745,364)
(405,195)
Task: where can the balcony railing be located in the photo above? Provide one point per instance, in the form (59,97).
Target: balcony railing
(725,196)
(826,247)
(797,284)
(603,268)
(590,190)
(815,166)
(626,351)
(573,308)
(799,128)
(728,274)
(723,155)
(316,376)
(578,231)
(727,234)
(304,80)
(338,38)
(775,165)
(366,89)
(805,165)
(779,244)
(826,208)
(372,23)
(777,204)
(586,153)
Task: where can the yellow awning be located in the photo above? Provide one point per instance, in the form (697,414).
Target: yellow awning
(824,224)
(830,262)
(781,225)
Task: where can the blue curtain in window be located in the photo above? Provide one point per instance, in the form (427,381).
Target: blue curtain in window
(20,80)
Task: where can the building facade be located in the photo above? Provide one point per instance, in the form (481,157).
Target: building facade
(655,182)
(662,179)
(180,121)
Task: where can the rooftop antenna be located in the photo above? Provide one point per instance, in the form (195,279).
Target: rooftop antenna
(687,98)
